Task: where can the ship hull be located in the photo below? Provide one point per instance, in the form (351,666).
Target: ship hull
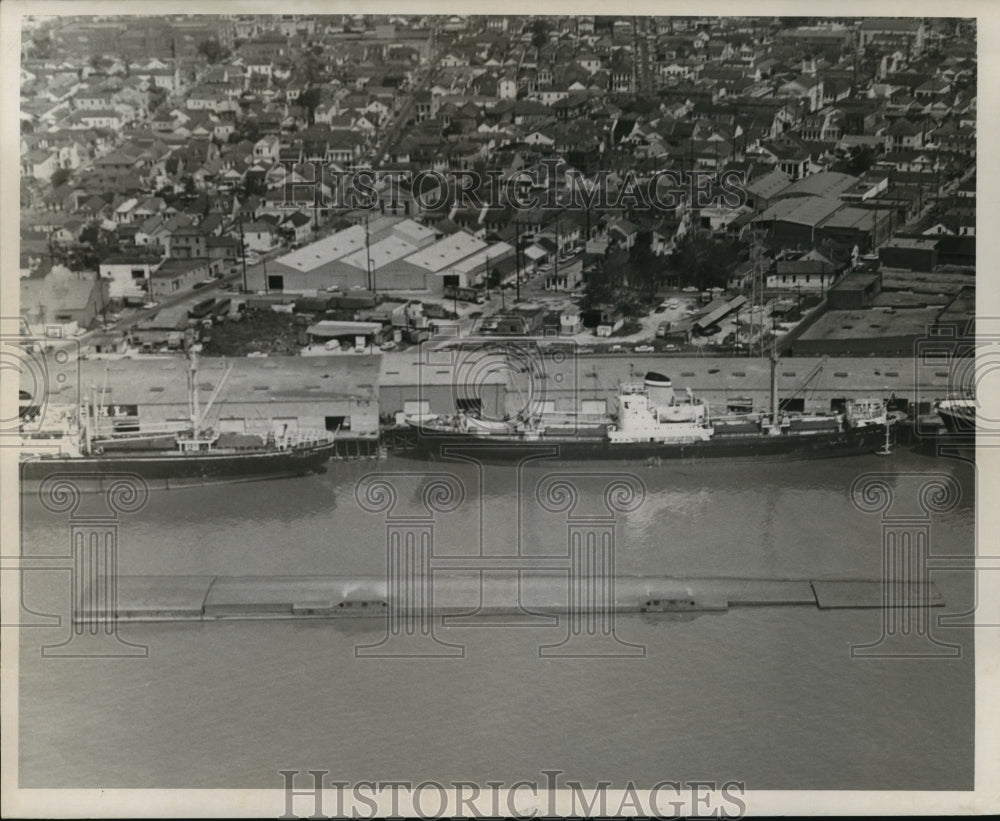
(169,469)
(437,445)
(959,419)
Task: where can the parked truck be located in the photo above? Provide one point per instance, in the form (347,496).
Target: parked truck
(417,335)
(202,309)
(464,294)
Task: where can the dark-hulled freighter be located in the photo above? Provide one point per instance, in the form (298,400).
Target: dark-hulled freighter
(75,445)
(653,423)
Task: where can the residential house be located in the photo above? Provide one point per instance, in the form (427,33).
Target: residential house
(260,235)
(267,149)
(175,275)
(300,225)
(128,275)
(903,134)
(63,297)
(40,164)
(789,156)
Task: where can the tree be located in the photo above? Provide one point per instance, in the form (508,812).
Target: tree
(310,100)
(858,161)
(59,177)
(703,261)
(598,290)
(644,263)
(42,47)
(212,50)
(539,32)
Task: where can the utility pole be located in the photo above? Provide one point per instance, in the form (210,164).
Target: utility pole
(517,258)
(243,255)
(368,255)
(555,261)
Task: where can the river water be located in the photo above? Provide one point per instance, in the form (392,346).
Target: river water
(769,696)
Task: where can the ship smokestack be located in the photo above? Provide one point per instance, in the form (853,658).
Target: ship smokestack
(659,389)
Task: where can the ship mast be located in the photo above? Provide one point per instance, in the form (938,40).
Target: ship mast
(82,417)
(214,395)
(193,391)
(775,428)
(94,409)
(774,394)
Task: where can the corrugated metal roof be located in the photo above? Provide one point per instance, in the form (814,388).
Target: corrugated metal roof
(714,316)
(331,328)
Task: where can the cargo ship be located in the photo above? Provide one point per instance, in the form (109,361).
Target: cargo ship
(77,442)
(653,422)
(958,414)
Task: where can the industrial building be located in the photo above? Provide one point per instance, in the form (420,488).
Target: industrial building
(258,396)
(382,254)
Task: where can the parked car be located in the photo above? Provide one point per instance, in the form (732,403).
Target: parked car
(659,309)
(671,348)
(644,349)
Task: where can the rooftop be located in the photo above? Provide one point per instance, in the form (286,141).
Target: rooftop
(823,184)
(493,252)
(875,322)
(801,210)
(380,254)
(848,217)
(447,251)
(159,380)
(412,231)
(325,250)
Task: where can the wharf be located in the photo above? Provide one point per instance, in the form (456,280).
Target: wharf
(209,598)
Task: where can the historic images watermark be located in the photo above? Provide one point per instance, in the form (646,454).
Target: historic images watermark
(502,579)
(907,561)
(47,372)
(552,185)
(966,356)
(49,412)
(907,502)
(95,502)
(314,794)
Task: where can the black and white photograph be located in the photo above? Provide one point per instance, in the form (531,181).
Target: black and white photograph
(465,412)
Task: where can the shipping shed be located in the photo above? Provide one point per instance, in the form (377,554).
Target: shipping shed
(260,395)
(850,226)
(792,222)
(855,290)
(429,381)
(327,330)
(717,315)
(861,331)
(911,253)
